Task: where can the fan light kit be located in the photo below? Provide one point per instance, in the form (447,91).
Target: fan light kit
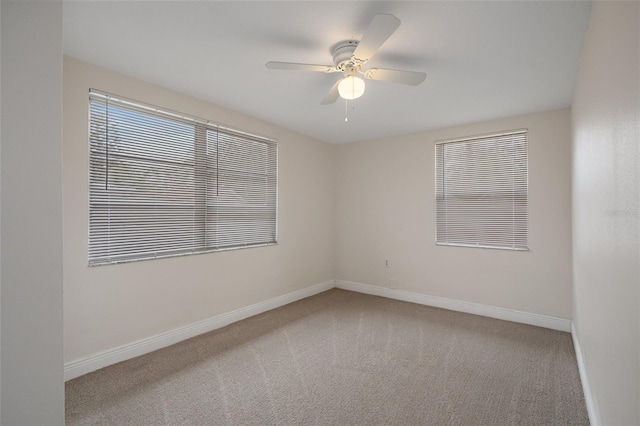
(351,87)
(349,57)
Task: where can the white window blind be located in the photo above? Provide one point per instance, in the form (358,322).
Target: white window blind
(165,184)
(482,191)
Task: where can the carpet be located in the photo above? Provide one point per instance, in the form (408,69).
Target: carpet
(344,358)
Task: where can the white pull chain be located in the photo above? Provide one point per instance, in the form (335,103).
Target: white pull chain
(346,110)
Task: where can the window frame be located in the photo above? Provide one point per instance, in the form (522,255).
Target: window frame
(199,167)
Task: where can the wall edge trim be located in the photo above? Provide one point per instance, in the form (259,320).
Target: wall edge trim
(554,323)
(592,411)
(136,348)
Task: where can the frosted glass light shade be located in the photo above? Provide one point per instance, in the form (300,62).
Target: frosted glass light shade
(351,87)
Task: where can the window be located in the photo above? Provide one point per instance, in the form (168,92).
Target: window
(165,184)
(482,191)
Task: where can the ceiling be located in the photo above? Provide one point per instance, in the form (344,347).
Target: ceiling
(483,60)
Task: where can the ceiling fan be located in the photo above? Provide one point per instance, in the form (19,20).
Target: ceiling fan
(349,57)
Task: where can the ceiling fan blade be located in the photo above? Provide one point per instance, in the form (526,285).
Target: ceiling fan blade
(333,94)
(380,29)
(396,76)
(299,67)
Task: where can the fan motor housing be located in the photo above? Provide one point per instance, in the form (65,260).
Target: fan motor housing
(343,54)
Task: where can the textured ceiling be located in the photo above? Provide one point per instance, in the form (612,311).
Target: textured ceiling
(483,60)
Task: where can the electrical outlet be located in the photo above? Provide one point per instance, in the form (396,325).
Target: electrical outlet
(386,263)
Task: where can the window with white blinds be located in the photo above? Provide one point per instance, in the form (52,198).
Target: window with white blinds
(482,191)
(166,184)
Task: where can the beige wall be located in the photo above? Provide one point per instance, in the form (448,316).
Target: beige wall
(606,223)
(31,197)
(347,207)
(385,209)
(111,305)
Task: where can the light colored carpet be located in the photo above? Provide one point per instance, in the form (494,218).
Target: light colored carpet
(343,358)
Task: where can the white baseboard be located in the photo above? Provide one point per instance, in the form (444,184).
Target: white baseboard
(592,410)
(554,323)
(130,350)
(94,362)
